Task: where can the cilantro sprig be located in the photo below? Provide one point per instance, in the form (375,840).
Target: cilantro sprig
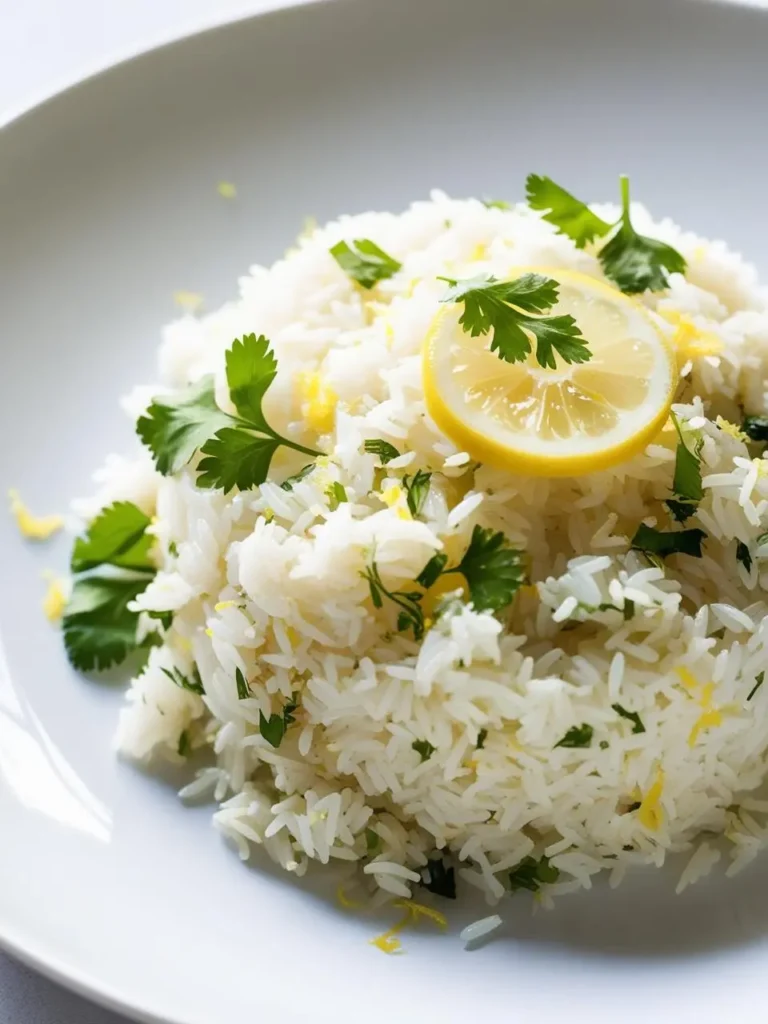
(238,449)
(364,261)
(513,310)
(686,483)
(410,614)
(531,874)
(635,262)
(112,566)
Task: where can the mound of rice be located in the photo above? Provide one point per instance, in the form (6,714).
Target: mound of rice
(269,581)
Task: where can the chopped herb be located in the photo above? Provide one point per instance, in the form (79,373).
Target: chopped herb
(432,570)
(482,736)
(687,479)
(237,449)
(744,555)
(662,543)
(193,683)
(493,570)
(629,608)
(632,716)
(531,874)
(756,428)
(99,629)
(372,841)
(424,749)
(173,549)
(243,689)
(117,536)
(496,204)
(385,451)
(633,261)
(184,748)
(681,510)
(410,615)
(505,307)
(364,261)
(290,481)
(273,729)
(417,489)
(634,806)
(336,494)
(758,683)
(440,878)
(604,744)
(577,736)
(164,618)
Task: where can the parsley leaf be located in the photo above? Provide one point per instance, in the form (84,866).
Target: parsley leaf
(410,615)
(531,874)
(192,683)
(243,689)
(493,570)
(274,728)
(504,307)
(175,426)
(117,536)
(440,878)
(577,736)
(432,570)
(385,450)
(568,214)
(756,428)
(417,489)
(758,683)
(634,718)
(744,555)
(635,262)
(663,543)
(364,261)
(99,629)
(424,749)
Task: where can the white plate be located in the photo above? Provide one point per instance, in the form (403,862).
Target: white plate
(108,206)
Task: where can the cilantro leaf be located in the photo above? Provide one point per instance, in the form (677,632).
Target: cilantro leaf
(531,874)
(432,570)
(687,480)
(493,570)
(758,683)
(577,736)
(274,728)
(117,536)
(569,215)
(251,368)
(192,683)
(243,689)
(175,426)
(424,749)
(99,629)
(385,450)
(632,716)
(744,555)
(417,489)
(663,543)
(504,308)
(635,262)
(236,458)
(756,428)
(440,878)
(364,261)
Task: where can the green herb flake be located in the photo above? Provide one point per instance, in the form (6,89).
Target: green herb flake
(496,204)
(243,689)
(440,878)
(424,749)
(756,428)
(417,489)
(631,716)
(531,874)
(290,481)
(681,510)
(505,307)
(758,683)
(184,748)
(577,736)
(482,736)
(192,683)
(410,614)
(744,555)
(385,451)
(661,543)
(364,262)
(493,570)
(372,842)
(274,728)
(336,495)
(686,483)
(432,570)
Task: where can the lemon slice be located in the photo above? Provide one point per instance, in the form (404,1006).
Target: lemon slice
(575,419)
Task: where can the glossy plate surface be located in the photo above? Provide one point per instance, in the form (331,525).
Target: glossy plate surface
(108,205)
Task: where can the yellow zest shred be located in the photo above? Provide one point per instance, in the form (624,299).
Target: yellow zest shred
(690,341)
(393,498)
(209,632)
(389,334)
(318,401)
(190,301)
(687,678)
(221,606)
(707,720)
(480,252)
(417,910)
(55,600)
(226,190)
(345,901)
(292,635)
(33,527)
(730,428)
(387,942)
(761,465)
(650,813)
(269,514)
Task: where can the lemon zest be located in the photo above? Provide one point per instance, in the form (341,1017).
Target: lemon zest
(319,400)
(387,942)
(344,901)
(417,910)
(650,813)
(209,632)
(687,678)
(761,465)
(731,429)
(55,600)
(707,720)
(191,301)
(226,190)
(690,341)
(220,606)
(33,527)
(480,252)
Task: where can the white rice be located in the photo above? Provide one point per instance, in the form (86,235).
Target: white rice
(269,582)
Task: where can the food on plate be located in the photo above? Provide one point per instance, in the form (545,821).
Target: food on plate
(444,550)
